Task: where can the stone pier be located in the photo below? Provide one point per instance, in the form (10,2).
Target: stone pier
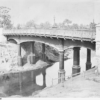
(61,72)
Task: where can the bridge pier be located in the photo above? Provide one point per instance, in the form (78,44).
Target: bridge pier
(76,61)
(88,63)
(19,56)
(32,55)
(43,52)
(61,72)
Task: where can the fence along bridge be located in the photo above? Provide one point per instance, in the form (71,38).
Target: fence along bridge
(59,39)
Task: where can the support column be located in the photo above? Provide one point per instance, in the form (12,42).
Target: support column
(76,61)
(61,73)
(19,55)
(32,56)
(88,63)
(43,52)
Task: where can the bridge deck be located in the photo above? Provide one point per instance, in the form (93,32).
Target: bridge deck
(87,35)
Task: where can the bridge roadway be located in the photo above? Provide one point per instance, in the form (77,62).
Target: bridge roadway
(57,38)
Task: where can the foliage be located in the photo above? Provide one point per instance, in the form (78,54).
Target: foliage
(5,18)
(66,24)
(30,24)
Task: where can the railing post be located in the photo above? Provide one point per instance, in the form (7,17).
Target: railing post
(52,81)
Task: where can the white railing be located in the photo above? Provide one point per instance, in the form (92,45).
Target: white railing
(84,74)
(52,32)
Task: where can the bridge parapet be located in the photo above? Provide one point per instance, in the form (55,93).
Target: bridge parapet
(57,33)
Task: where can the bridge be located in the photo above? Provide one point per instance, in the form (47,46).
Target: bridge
(59,39)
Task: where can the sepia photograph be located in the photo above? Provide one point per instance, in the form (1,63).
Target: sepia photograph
(49,49)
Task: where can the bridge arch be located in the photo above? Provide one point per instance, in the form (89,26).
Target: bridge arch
(80,47)
(12,41)
(54,47)
(55,43)
(77,43)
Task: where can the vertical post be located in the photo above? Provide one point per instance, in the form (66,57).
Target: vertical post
(19,55)
(32,55)
(52,81)
(43,52)
(88,63)
(32,77)
(61,73)
(76,61)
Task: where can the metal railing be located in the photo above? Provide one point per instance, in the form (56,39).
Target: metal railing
(84,74)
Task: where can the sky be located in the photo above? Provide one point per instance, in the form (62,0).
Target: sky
(78,11)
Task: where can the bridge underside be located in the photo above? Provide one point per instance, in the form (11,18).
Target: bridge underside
(53,42)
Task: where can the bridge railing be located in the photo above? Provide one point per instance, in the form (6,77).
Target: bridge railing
(52,32)
(84,74)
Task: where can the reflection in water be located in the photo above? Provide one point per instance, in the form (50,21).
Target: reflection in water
(23,83)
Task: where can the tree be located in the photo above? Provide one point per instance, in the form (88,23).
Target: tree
(45,25)
(30,24)
(75,26)
(18,26)
(66,22)
(5,18)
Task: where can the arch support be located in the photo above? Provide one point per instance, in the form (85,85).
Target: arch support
(88,62)
(76,61)
(19,56)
